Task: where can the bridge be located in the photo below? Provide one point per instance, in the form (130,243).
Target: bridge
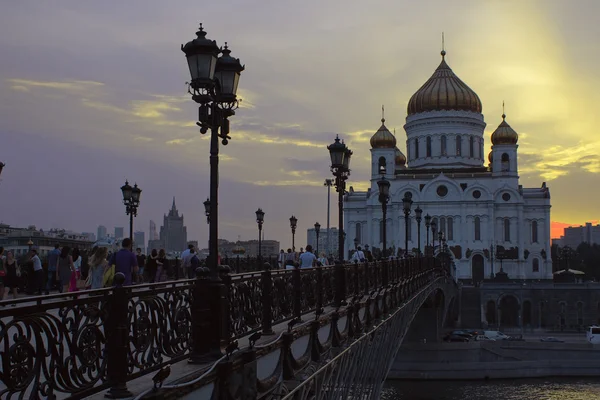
(317,333)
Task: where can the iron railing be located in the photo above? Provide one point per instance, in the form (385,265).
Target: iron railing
(81,343)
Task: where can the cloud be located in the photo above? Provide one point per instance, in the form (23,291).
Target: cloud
(68,85)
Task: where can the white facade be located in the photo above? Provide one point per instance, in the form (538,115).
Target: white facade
(476,206)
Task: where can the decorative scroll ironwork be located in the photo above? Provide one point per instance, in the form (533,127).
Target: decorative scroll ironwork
(308,280)
(328,286)
(53,348)
(159,327)
(245,305)
(283,291)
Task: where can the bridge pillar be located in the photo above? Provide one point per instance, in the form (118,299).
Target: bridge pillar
(426,326)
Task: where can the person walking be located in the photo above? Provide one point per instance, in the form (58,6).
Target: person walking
(64,269)
(52,267)
(75,274)
(290,259)
(125,262)
(323,259)
(162,266)
(358,256)
(38,271)
(98,264)
(186,259)
(151,266)
(11,281)
(308,258)
(141,260)
(281,259)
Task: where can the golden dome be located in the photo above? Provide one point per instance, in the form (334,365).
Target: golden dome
(490,157)
(444,91)
(383,138)
(400,158)
(504,134)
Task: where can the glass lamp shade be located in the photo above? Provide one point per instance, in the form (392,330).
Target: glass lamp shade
(418,213)
(317,227)
(293,221)
(406,203)
(428,220)
(207,207)
(136,193)
(347,156)
(228,74)
(201,54)
(337,152)
(384,187)
(127,191)
(260,216)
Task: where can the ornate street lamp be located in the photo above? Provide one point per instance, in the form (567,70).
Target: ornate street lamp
(329,184)
(260,217)
(406,205)
(440,237)
(207,210)
(418,214)
(384,197)
(427,225)
(433,227)
(293,224)
(213,85)
(317,231)
(2,165)
(340,156)
(131,199)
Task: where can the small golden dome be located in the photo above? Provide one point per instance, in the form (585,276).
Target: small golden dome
(490,157)
(383,138)
(400,158)
(504,134)
(444,91)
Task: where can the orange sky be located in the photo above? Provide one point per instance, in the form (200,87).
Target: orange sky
(557,228)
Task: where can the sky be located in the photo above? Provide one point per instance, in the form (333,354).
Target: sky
(93,93)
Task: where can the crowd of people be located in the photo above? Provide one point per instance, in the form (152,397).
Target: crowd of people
(307,258)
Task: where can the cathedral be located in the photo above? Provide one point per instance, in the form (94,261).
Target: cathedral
(489,222)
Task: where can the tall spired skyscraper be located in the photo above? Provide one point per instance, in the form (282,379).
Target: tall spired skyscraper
(173,234)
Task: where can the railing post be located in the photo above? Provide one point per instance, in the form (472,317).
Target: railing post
(267,300)
(117,345)
(368,269)
(356,282)
(200,316)
(297,287)
(237,264)
(340,284)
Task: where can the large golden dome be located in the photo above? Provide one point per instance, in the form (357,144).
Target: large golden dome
(504,134)
(383,138)
(444,91)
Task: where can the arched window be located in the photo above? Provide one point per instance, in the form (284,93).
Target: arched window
(358,233)
(443,142)
(443,226)
(417,148)
(458,145)
(450,228)
(536,265)
(505,161)
(506,230)
(382,166)
(534,232)
(477,222)
(428,146)
(471,146)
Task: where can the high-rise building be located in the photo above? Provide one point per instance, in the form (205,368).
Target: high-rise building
(89,236)
(575,235)
(101,232)
(311,238)
(119,232)
(139,240)
(153,232)
(173,234)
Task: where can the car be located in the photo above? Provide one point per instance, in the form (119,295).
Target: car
(551,340)
(483,338)
(473,332)
(455,338)
(461,333)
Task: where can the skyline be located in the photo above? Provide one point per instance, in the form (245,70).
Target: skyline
(121,111)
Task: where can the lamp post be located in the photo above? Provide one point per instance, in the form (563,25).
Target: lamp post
(214,83)
(329,184)
(384,197)
(2,165)
(207,210)
(427,225)
(131,199)
(406,205)
(418,214)
(433,227)
(440,238)
(293,223)
(340,167)
(317,230)
(260,217)
(355,243)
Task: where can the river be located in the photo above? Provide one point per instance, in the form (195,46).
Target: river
(526,389)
